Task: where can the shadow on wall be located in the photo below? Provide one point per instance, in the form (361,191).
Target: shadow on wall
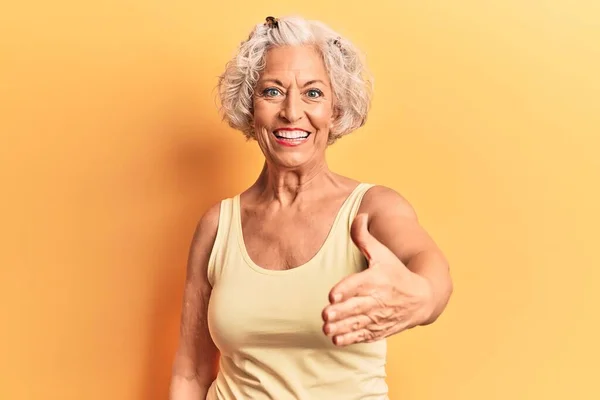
(202,166)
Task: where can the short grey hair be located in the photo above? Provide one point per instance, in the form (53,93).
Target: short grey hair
(352,83)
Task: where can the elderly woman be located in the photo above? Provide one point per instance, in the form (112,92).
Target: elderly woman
(293,285)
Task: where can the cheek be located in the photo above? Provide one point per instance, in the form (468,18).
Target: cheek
(321,117)
(263,113)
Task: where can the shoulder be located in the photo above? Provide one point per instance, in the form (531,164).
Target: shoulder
(209,221)
(381,201)
(207,224)
(393,221)
(205,235)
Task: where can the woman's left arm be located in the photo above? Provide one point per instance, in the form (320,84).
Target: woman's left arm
(407,283)
(393,222)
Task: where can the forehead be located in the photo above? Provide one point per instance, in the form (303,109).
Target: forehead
(294,62)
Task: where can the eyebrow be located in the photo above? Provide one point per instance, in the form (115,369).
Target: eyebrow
(311,82)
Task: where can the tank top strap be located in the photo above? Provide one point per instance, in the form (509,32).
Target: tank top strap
(352,204)
(228,245)
(225,231)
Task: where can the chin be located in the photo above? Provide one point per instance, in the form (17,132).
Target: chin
(289,154)
(290,161)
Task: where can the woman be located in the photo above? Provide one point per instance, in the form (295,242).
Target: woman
(293,285)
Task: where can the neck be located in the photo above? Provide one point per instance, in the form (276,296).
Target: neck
(287,185)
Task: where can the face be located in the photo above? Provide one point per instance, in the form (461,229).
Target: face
(293,107)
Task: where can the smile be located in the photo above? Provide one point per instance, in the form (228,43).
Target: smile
(288,137)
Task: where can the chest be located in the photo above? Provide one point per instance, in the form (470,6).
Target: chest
(286,240)
(266,311)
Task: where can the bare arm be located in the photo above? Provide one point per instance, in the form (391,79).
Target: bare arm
(196,360)
(393,221)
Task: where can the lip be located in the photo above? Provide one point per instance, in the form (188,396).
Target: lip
(290,143)
(291,129)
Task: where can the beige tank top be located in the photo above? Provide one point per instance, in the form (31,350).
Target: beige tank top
(267,324)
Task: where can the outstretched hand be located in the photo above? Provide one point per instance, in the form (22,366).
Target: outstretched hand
(380,301)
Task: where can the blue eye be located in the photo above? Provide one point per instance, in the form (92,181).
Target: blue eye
(314,93)
(271,92)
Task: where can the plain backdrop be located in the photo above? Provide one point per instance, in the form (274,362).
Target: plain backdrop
(486,117)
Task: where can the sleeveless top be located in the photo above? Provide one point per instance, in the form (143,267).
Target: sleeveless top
(267,324)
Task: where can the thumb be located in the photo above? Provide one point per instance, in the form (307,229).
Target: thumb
(373,249)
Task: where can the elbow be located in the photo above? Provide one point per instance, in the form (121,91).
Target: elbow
(441,296)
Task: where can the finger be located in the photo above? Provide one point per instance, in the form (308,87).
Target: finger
(358,284)
(361,335)
(347,325)
(352,307)
(371,333)
(359,232)
(373,249)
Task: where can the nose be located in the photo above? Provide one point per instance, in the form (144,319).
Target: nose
(291,108)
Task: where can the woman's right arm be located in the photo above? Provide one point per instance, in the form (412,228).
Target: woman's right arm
(196,360)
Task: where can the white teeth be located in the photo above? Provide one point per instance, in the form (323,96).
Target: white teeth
(292,134)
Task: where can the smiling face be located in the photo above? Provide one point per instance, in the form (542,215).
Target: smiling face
(293,107)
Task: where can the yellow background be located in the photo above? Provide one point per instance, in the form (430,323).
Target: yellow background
(486,117)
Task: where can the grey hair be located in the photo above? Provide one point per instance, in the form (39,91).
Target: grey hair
(352,83)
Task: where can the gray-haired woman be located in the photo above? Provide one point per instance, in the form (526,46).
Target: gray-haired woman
(293,285)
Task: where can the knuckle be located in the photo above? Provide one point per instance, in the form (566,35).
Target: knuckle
(381,315)
(376,327)
(376,317)
(368,335)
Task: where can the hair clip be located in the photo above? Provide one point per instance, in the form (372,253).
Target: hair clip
(272,22)
(337,42)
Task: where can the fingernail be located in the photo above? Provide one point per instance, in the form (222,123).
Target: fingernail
(337,297)
(331,315)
